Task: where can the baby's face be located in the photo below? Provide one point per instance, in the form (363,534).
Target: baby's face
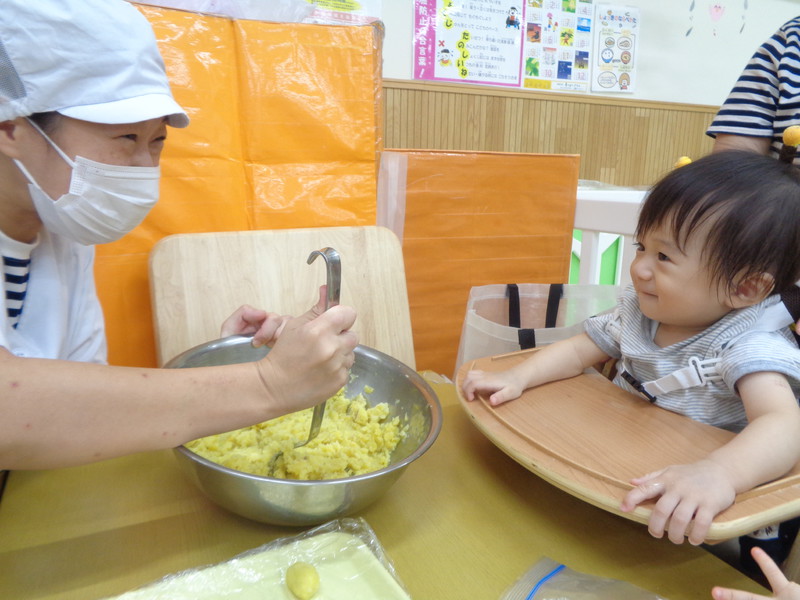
(674,285)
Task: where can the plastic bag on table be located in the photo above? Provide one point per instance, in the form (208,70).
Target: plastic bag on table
(345,553)
(549,580)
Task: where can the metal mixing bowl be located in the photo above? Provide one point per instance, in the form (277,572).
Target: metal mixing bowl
(300,503)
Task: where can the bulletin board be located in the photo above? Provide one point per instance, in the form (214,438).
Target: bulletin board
(690,52)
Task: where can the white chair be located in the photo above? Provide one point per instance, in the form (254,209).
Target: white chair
(604,214)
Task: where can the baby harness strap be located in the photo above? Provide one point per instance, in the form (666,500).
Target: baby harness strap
(527,336)
(699,372)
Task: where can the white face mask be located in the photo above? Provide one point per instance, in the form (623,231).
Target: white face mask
(104,202)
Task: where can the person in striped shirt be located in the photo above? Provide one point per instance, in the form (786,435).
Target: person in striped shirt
(766,98)
(701,331)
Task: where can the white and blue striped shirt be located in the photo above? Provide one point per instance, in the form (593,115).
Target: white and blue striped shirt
(16,271)
(766,98)
(627,333)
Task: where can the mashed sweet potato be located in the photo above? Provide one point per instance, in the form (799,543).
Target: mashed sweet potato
(355,438)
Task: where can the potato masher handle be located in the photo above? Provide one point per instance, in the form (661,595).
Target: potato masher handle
(333,266)
(334,287)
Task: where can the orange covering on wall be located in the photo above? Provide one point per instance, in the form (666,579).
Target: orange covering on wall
(474,218)
(285,133)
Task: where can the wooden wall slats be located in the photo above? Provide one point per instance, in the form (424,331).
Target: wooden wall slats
(621,141)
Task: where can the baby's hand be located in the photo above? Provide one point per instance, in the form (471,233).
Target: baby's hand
(503,386)
(690,497)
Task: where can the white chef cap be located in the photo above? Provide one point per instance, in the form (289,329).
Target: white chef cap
(94,60)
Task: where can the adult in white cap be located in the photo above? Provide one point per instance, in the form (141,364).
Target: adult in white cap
(85,107)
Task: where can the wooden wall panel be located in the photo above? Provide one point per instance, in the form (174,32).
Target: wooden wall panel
(620,141)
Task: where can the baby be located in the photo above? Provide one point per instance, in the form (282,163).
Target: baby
(702,332)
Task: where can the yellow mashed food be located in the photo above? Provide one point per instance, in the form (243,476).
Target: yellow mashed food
(355,438)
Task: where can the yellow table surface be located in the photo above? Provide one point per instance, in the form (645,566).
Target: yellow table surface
(464,521)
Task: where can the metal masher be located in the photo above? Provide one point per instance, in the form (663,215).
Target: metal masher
(333,269)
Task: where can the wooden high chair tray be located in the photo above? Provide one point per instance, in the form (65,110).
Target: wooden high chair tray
(589,437)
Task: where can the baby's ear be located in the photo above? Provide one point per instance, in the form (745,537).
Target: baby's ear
(752,290)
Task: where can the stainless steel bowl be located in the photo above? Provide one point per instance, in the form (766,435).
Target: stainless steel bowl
(300,503)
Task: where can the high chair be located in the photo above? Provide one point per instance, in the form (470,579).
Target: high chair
(199,279)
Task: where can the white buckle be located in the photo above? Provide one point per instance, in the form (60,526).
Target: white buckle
(697,373)
(706,370)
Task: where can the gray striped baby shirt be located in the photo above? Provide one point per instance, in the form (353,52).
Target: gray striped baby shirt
(627,333)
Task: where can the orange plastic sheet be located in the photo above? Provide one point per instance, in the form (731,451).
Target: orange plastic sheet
(473,218)
(285,133)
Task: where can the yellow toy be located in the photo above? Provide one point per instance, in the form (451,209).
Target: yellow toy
(791,139)
(682,161)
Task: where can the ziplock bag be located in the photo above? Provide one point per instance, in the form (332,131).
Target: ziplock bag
(549,580)
(346,553)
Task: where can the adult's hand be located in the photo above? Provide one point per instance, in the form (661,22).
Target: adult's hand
(266,327)
(311,359)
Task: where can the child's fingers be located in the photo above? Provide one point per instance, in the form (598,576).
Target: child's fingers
(470,384)
(645,478)
(504,395)
(700,524)
(771,571)
(645,490)
(720,593)
(698,532)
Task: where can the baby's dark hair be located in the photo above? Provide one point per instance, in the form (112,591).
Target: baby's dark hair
(752,204)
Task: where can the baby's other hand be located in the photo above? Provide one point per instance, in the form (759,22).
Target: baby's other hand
(690,497)
(502,386)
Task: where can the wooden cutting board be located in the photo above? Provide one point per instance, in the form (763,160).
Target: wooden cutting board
(589,437)
(197,280)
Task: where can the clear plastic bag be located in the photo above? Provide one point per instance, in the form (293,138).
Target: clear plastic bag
(346,553)
(549,580)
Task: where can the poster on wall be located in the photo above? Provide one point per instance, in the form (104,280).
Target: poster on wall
(558,45)
(476,41)
(616,34)
(347,12)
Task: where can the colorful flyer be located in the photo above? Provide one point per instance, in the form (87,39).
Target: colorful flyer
(617,32)
(347,12)
(476,41)
(558,44)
